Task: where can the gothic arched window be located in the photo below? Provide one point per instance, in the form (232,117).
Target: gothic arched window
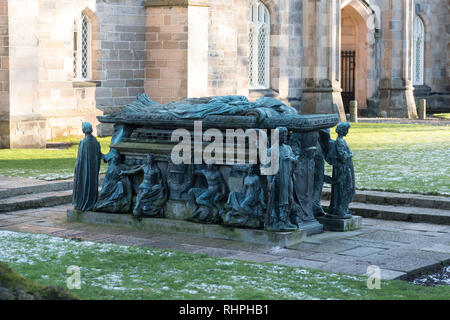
(259,46)
(419,52)
(82,53)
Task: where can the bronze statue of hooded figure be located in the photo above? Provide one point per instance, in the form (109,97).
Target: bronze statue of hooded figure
(87,167)
(343,179)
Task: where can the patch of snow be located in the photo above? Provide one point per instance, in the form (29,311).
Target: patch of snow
(225,263)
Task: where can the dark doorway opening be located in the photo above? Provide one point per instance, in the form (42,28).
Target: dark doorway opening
(348,66)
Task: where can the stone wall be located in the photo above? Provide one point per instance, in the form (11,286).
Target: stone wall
(434,16)
(320,60)
(46,92)
(27,126)
(436,89)
(288,49)
(4,75)
(223,46)
(167,53)
(228,49)
(448,49)
(121,53)
(178,48)
(62,102)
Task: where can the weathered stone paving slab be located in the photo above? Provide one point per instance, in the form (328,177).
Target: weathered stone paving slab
(400,249)
(328,247)
(443,248)
(12,182)
(216,252)
(361,251)
(254,257)
(12,220)
(299,263)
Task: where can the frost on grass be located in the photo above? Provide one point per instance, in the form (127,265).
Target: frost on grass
(435,279)
(410,169)
(60,174)
(142,272)
(225,263)
(32,249)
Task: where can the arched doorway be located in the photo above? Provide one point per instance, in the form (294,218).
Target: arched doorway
(357,54)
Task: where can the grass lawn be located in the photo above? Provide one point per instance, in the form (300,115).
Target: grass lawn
(445,116)
(45,164)
(15,286)
(388,157)
(126,272)
(402,158)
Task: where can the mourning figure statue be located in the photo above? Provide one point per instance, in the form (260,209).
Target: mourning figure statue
(179,179)
(207,202)
(303,181)
(87,167)
(135,180)
(116,193)
(280,186)
(319,171)
(247,208)
(152,194)
(343,178)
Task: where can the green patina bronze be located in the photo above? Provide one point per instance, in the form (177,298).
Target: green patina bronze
(236,195)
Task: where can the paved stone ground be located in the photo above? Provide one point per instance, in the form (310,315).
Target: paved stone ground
(400,249)
(13,186)
(14,182)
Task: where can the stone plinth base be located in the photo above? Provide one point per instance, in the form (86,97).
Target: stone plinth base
(177,210)
(312,227)
(23,131)
(279,239)
(341,225)
(397,99)
(323,99)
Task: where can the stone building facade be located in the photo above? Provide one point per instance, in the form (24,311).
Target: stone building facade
(67,61)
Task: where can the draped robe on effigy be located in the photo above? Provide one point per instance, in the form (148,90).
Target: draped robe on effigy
(200,108)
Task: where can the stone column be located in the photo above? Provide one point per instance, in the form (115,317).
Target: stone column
(4,76)
(321,58)
(27,126)
(177,49)
(396,90)
(286,36)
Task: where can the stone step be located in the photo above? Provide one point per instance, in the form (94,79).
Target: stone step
(38,200)
(42,187)
(398,213)
(30,186)
(397,199)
